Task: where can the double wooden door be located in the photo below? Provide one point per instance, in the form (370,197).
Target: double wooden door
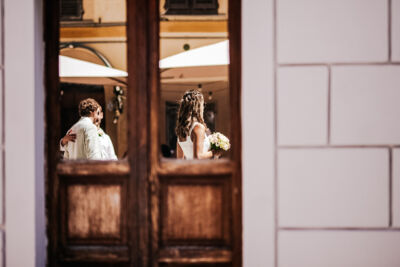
(144,210)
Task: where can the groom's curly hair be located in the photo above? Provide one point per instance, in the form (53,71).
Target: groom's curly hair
(87,106)
(190,110)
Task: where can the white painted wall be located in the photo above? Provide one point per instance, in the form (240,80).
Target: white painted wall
(24,222)
(258,133)
(322,175)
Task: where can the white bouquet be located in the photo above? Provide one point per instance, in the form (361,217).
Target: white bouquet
(219,141)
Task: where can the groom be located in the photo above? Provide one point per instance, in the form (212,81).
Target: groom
(85,143)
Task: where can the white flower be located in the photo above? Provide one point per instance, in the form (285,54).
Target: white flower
(219,141)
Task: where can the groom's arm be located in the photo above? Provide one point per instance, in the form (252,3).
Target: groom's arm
(69,137)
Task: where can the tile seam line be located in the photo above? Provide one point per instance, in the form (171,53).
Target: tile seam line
(275,151)
(390,189)
(338,147)
(389,30)
(339,64)
(349,229)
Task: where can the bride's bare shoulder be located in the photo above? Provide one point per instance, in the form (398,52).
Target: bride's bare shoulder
(199,129)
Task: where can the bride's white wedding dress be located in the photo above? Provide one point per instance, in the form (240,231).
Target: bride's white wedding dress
(187,145)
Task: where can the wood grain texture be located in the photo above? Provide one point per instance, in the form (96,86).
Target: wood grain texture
(195,167)
(140,52)
(86,168)
(94,211)
(101,256)
(193,212)
(193,26)
(153,148)
(51,36)
(165,27)
(176,256)
(235,81)
(93,32)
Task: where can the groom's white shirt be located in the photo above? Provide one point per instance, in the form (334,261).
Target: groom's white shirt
(87,142)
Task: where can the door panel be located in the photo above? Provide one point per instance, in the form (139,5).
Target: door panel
(194,211)
(93,216)
(195,215)
(93,211)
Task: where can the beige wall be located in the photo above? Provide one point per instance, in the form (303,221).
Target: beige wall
(106,10)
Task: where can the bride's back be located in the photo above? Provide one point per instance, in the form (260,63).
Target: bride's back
(187,145)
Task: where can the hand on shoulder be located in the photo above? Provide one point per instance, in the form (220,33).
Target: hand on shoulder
(69,137)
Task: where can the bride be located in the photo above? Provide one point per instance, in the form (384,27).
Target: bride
(191,129)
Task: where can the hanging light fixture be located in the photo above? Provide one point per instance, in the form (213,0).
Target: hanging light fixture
(210,95)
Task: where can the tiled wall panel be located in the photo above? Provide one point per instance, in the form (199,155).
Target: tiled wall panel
(338,189)
(332,31)
(333,187)
(302,105)
(338,248)
(365,105)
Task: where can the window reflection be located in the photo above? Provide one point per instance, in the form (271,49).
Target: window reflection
(93,71)
(86,139)
(194,58)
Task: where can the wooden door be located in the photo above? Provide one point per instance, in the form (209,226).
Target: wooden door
(145,210)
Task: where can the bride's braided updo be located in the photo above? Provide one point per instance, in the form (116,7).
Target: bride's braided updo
(190,110)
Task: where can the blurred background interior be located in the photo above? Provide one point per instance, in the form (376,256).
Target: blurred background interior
(94,31)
